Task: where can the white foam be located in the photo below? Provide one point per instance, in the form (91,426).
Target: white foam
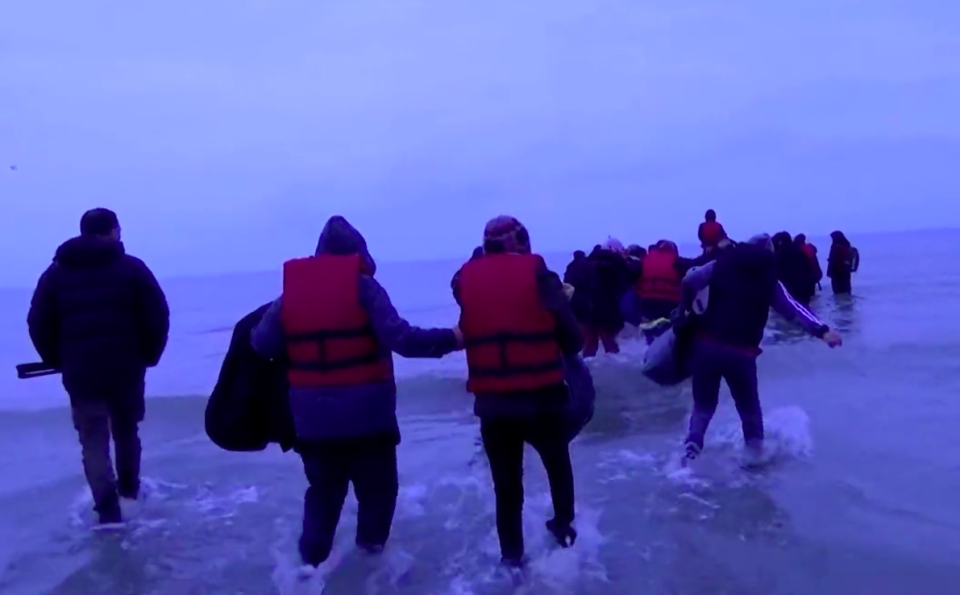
(410,499)
(214,505)
(787,432)
(291,577)
(550,566)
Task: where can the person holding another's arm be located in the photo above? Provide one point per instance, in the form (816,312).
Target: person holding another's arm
(518,329)
(336,329)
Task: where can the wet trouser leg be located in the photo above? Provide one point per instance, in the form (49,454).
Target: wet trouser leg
(591,340)
(609,340)
(707,372)
(503,440)
(548,437)
(710,363)
(373,472)
(330,466)
(740,372)
(841,284)
(503,443)
(127,452)
(91,418)
(328,473)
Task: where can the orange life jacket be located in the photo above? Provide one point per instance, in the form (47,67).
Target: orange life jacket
(510,338)
(659,279)
(810,251)
(328,335)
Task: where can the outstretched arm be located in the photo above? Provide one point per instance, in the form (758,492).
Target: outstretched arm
(785,305)
(398,335)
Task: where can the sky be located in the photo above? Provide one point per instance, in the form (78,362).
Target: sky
(225,132)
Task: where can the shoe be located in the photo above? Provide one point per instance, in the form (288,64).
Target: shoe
(513,561)
(371,548)
(753,455)
(110,517)
(691,452)
(129,494)
(565,535)
(305,572)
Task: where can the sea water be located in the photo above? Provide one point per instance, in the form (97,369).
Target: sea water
(860,495)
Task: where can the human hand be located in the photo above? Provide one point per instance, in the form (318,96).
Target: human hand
(832,339)
(459,335)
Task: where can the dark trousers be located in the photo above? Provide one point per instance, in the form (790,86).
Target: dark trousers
(331,465)
(841,284)
(593,336)
(503,440)
(95,421)
(710,363)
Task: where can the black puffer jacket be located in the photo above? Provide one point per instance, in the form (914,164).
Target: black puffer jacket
(99,315)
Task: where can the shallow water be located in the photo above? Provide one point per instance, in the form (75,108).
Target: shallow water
(859,496)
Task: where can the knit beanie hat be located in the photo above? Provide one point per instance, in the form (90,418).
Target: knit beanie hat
(505,234)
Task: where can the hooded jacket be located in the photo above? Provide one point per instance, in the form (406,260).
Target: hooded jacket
(743,287)
(363,410)
(99,316)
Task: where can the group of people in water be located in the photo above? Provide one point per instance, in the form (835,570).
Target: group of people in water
(617,285)
(99,317)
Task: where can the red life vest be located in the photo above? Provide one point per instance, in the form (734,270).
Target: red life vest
(510,338)
(659,279)
(328,335)
(810,251)
(710,233)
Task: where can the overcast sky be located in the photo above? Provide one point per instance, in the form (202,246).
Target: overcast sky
(225,132)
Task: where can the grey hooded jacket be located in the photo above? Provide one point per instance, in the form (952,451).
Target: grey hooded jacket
(361,410)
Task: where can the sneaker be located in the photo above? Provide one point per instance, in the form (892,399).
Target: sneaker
(565,535)
(691,452)
(305,572)
(110,517)
(753,455)
(513,561)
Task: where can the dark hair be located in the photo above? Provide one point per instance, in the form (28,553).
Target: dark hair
(711,215)
(800,239)
(579,254)
(98,222)
(781,239)
(839,238)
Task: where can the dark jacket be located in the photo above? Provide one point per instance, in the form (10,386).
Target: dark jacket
(581,275)
(840,260)
(710,255)
(611,280)
(361,410)
(743,287)
(795,271)
(100,317)
(570,338)
(249,407)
